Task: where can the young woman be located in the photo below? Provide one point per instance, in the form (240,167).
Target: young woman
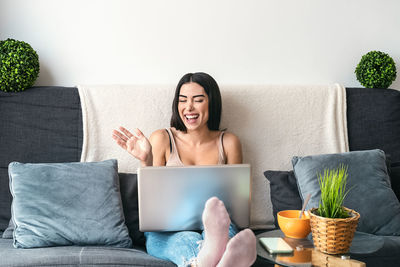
(194,139)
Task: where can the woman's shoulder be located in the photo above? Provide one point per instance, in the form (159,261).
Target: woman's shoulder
(159,137)
(230,136)
(230,140)
(232,148)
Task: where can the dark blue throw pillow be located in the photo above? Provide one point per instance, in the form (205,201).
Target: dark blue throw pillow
(283,191)
(59,204)
(395,178)
(370,194)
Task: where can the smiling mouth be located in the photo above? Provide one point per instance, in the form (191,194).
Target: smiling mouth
(191,118)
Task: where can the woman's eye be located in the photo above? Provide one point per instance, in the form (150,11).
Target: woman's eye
(198,101)
(182,100)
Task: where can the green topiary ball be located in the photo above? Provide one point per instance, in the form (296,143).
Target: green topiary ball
(19,65)
(376,70)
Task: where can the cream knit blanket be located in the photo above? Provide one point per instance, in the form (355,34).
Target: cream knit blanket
(106,107)
(273,122)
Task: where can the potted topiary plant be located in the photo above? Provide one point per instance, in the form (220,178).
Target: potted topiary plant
(332,224)
(376,70)
(19,65)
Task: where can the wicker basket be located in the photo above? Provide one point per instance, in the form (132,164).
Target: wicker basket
(333,236)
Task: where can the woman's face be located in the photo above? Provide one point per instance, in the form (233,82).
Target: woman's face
(193,106)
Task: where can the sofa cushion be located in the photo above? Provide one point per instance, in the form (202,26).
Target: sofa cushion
(284,192)
(41,124)
(129,196)
(57,204)
(370,192)
(77,256)
(373,120)
(386,255)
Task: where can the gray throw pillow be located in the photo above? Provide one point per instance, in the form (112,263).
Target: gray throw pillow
(59,204)
(129,196)
(370,194)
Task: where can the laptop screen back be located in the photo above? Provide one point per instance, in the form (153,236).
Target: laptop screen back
(173,198)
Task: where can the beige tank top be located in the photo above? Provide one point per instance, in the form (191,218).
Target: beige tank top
(175,160)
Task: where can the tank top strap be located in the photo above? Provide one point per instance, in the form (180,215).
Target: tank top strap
(221,152)
(174,159)
(171,140)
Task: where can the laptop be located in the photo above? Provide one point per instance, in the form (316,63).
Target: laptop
(173,198)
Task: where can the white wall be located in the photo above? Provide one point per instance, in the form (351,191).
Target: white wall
(236,41)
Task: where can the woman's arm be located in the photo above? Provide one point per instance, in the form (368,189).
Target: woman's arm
(160,144)
(232,148)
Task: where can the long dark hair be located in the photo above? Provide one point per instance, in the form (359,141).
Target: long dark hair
(214,100)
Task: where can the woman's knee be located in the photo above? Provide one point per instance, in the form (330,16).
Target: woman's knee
(186,242)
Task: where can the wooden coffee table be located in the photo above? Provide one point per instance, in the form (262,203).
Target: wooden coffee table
(304,254)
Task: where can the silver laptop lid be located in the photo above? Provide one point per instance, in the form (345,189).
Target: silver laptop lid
(173,198)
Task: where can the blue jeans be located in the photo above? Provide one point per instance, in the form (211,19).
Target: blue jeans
(178,247)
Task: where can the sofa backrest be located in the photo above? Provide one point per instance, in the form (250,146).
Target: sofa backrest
(41,124)
(44,124)
(373,117)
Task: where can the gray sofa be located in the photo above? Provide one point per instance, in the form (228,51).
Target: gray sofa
(44,124)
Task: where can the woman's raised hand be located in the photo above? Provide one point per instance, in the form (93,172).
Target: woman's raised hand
(138,146)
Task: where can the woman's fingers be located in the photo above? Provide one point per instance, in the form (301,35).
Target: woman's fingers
(126,132)
(129,141)
(120,135)
(119,141)
(135,144)
(123,140)
(139,133)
